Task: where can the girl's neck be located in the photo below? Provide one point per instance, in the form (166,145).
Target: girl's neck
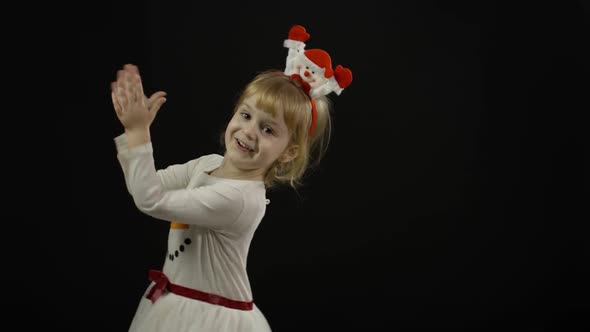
(228,172)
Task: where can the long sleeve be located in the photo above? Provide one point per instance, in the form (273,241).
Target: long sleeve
(172,177)
(215,206)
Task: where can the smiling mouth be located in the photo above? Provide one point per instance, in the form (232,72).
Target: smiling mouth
(244,146)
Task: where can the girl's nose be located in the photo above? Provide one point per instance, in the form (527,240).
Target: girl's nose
(250,130)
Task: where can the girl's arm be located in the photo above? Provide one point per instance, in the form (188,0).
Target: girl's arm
(137,112)
(211,206)
(216,206)
(172,177)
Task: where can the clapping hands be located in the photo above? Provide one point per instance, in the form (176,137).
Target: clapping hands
(133,108)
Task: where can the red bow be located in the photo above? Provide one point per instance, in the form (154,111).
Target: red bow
(162,283)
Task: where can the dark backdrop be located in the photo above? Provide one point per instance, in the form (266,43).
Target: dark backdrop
(451,197)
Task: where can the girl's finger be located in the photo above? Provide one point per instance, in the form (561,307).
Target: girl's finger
(126,82)
(122,99)
(131,68)
(154,97)
(116,105)
(133,87)
(157,104)
(139,96)
(120,75)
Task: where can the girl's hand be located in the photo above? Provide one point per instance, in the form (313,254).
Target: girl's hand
(134,110)
(156,100)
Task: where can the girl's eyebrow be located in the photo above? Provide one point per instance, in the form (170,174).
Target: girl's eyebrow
(272,123)
(266,118)
(269,119)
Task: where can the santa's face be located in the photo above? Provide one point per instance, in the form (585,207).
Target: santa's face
(254,140)
(311,73)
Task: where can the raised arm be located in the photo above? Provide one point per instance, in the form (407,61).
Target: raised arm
(172,177)
(214,206)
(162,194)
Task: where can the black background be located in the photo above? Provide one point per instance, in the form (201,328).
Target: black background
(451,197)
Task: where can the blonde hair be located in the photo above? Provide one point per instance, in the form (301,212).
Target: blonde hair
(276,91)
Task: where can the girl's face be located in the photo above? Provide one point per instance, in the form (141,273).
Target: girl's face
(254,140)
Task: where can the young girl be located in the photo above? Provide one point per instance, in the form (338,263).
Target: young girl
(215,202)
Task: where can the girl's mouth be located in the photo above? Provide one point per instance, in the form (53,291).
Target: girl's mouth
(243,146)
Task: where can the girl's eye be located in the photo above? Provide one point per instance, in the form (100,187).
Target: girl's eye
(245,115)
(268,130)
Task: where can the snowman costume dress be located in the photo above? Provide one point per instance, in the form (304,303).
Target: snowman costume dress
(204,285)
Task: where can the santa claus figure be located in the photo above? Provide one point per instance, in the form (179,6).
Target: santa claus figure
(314,66)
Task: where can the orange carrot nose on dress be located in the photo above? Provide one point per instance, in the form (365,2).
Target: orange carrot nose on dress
(177,225)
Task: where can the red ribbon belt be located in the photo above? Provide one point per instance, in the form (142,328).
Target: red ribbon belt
(162,283)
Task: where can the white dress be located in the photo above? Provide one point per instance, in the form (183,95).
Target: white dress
(214,220)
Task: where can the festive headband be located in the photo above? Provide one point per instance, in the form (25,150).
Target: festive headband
(313,69)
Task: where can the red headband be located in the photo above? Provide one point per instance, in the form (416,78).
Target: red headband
(306,88)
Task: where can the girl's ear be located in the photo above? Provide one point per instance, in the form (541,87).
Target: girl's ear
(289,154)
